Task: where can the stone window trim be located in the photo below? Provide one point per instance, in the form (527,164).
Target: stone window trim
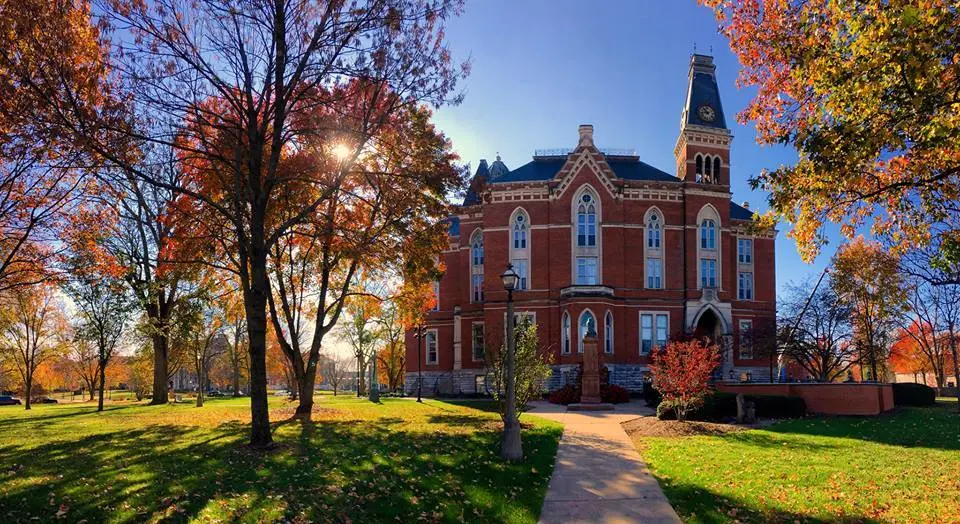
(709,233)
(436,347)
(581,319)
(653,314)
(594,250)
(608,332)
(521,252)
(653,221)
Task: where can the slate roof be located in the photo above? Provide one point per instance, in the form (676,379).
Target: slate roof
(454,229)
(703,90)
(547,168)
(472,198)
(738,212)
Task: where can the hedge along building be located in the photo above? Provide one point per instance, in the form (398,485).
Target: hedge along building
(598,235)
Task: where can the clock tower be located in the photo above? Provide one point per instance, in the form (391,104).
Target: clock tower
(703,147)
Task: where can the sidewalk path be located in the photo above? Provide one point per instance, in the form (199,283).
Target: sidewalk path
(599,476)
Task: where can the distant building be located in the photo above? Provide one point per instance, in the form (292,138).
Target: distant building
(600,236)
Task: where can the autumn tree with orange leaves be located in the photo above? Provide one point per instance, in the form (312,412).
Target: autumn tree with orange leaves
(868,93)
(867,278)
(46,82)
(33,319)
(94,281)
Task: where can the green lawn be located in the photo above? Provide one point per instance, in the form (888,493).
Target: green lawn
(359,462)
(903,467)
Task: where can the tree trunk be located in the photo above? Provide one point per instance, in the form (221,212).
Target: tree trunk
(256,309)
(374,386)
(103,380)
(28,388)
(160,366)
(93,389)
(305,386)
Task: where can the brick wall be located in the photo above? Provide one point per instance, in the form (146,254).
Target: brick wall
(827,399)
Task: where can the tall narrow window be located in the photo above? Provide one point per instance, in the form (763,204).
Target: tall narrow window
(608,333)
(745,285)
(716,168)
(699,171)
(653,331)
(708,234)
(586,221)
(436,295)
(586,261)
(520,231)
(745,250)
(653,231)
(476,248)
(565,333)
(707,170)
(708,273)
(520,247)
(430,342)
(586,319)
(476,341)
(476,267)
(520,266)
(746,339)
(654,273)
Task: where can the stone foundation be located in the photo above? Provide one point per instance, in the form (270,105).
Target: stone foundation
(447,383)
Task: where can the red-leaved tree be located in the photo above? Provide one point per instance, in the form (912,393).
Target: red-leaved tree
(681,373)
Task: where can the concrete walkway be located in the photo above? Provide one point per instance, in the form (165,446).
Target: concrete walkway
(599,476)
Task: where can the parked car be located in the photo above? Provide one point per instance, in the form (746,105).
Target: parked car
(281,393)
(44,400)
(7,400)
(215,393)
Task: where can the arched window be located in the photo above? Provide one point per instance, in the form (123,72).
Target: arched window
(708,250)
(520,247)
(586,221)
(585,318)
(608,333)
(699,171)
(476,266)
(520,231)
(716,168)
(476,248)
(565,333)
(653,231)
(707,170)
(653,252)
(708,234)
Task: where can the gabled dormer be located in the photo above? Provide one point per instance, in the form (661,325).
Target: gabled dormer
(703,147)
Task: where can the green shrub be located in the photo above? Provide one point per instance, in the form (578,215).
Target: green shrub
(910,394)
(651,396)
(665,410)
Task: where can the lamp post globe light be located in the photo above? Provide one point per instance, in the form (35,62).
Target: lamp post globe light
(511,448)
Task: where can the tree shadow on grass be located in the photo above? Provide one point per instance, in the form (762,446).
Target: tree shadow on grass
(934,428)
(60,413)
(366,471)
(698,504)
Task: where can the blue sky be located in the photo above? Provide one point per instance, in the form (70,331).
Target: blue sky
(542,67)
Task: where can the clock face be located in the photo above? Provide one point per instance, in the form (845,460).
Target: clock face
(706,113)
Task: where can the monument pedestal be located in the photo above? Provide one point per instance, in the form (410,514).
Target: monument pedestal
(590,381)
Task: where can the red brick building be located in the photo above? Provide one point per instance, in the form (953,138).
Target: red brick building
(599,234)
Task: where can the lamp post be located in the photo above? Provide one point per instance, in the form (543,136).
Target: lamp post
(511,448)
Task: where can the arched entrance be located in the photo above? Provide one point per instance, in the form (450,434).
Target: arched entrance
(708,326)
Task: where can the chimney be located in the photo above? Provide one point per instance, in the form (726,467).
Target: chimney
(586,135)
(745,204)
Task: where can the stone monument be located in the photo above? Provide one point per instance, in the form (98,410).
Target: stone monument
(590,382)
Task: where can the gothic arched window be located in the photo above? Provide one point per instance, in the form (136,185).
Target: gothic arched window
(565,333)
(653,231)
(586,221)
(586,318)
(608,333)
